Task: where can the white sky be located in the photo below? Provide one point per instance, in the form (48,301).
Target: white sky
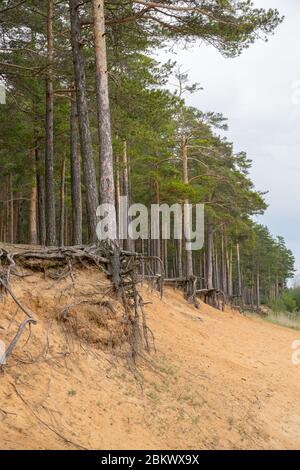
(255,92)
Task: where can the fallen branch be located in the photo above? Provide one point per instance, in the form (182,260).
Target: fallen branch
(61,436)
(15,340)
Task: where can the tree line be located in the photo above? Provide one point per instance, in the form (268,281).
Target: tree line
(89,119)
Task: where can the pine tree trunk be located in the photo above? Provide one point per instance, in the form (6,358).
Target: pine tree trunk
(90,180)
(128,242)
(157,243)
(107,186)
(166,264)
(200,272)
(1,213)
(118,195)
(209,257)
(62,203)
(49,151)
(11,210)
(179,267)
(223,262)
(258,289)
(32,216)
(107,182)
(229,271)
(40,183)
(75,177)
(19,219)
(239,272)
(187,219)
(216,264)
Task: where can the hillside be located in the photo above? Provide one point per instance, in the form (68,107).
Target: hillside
(222,381)
(217,380)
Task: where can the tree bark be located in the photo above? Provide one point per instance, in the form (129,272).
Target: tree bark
(62,203)
(32,216)
(239,272)
(75,177)
(19,219)
(118,194)
(216,267)
(223,263)
(187,218)
(166,264)
(157,245)
(258,289)
(90,180)
(128,243)
(107,186)
(11,210)
(179,266)
(40,183)
(229,271)
(209,257)
(49,151)
(107,183)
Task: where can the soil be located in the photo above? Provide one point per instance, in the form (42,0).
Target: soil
(218,380)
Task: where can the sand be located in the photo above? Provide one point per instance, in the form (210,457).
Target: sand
(218,380)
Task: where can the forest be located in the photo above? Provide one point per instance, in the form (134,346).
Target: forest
(90,117)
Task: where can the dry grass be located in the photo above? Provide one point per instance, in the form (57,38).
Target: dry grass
(285,319)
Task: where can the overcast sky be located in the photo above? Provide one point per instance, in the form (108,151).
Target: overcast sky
(257,92)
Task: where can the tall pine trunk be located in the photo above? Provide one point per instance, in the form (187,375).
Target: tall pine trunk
(107,183)
(118,193)
(107,186)
(209,257)
(19,219)
(223,263)
(239,273)
(75,177)
(179,264)
(40,184)
(32,216)
(49,151)
(62,202)
(90,180)
(11,210)
(229,271)
(187,215)
(216,267)
(128,243)
(157,246)
(257,289)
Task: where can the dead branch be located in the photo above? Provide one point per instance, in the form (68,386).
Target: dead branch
(44,423)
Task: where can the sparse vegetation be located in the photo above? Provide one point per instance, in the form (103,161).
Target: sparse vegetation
(285,319)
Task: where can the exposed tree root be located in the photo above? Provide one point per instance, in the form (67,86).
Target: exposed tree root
(213,297)
(120,266)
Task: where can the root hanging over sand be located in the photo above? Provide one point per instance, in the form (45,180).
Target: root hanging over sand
(59,263)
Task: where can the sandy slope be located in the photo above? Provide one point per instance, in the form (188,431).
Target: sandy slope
(222,381)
